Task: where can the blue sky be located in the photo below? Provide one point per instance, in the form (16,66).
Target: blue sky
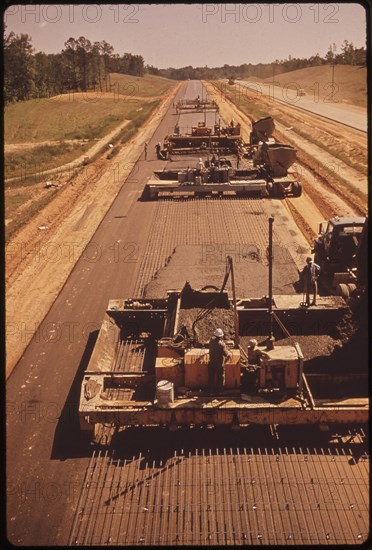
(195,34)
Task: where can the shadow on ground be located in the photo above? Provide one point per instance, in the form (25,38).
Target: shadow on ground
(69,440)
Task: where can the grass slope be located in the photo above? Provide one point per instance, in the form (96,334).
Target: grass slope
(80,115)
(145,86)
(76,116)
(350,82)
(51,123)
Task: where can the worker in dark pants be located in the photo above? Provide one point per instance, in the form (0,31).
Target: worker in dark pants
(310,274)
(217,353)
(158,149)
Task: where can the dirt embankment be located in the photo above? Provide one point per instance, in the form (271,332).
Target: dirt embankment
(321,174)
(32,282)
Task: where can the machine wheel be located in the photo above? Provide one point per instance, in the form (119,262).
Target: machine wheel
(296,189)
(210,287)
(343,290)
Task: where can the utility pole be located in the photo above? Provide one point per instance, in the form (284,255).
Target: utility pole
(271,339)
(333,47)
(333,79)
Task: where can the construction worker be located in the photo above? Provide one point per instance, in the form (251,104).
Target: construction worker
(145,150)
(176,129)
(253,352)
(158,149)
(217,353)
(310,274)
(200,164)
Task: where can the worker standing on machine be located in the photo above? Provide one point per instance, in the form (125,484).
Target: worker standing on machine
(201,169)
(217,353)
(253,352)
(310,275)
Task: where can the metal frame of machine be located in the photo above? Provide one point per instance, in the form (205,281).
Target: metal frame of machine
(128,321)
(143,343)
(267,177)
(196,106)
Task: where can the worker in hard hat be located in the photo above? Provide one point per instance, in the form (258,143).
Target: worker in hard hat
(218,352)
(253,352)
(310,274)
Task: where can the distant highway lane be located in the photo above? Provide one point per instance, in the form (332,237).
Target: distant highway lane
(350,115)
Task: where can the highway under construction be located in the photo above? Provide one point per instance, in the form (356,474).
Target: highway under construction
(137,471)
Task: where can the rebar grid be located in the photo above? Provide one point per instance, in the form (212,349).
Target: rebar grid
(225,496)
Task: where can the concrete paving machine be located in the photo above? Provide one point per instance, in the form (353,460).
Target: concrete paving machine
(341,251)
(150,365)
(201,138)
(196,106)
(265,172)
(268,177)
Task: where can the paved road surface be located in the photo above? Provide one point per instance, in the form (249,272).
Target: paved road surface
(353,116)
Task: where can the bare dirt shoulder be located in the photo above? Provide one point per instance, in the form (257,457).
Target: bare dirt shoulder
(323,195)
(32,280)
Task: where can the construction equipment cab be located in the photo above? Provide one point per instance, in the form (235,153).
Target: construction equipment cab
(337,243)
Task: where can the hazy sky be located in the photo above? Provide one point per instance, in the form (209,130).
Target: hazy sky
(195,34)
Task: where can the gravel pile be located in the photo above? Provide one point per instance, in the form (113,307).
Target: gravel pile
(204,328)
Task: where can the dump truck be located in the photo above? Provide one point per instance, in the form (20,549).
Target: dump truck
(341,252)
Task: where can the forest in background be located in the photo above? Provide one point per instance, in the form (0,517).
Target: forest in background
(83,65)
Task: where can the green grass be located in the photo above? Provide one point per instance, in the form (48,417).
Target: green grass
(61,118)
(71,120)
(13,202)
(145,86)
(40,159)
(75,116)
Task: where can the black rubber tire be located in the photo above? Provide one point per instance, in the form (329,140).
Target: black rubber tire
(296,189)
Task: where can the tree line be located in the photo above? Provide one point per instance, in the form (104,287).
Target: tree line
(83,65)
(80,66)
(349,55)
